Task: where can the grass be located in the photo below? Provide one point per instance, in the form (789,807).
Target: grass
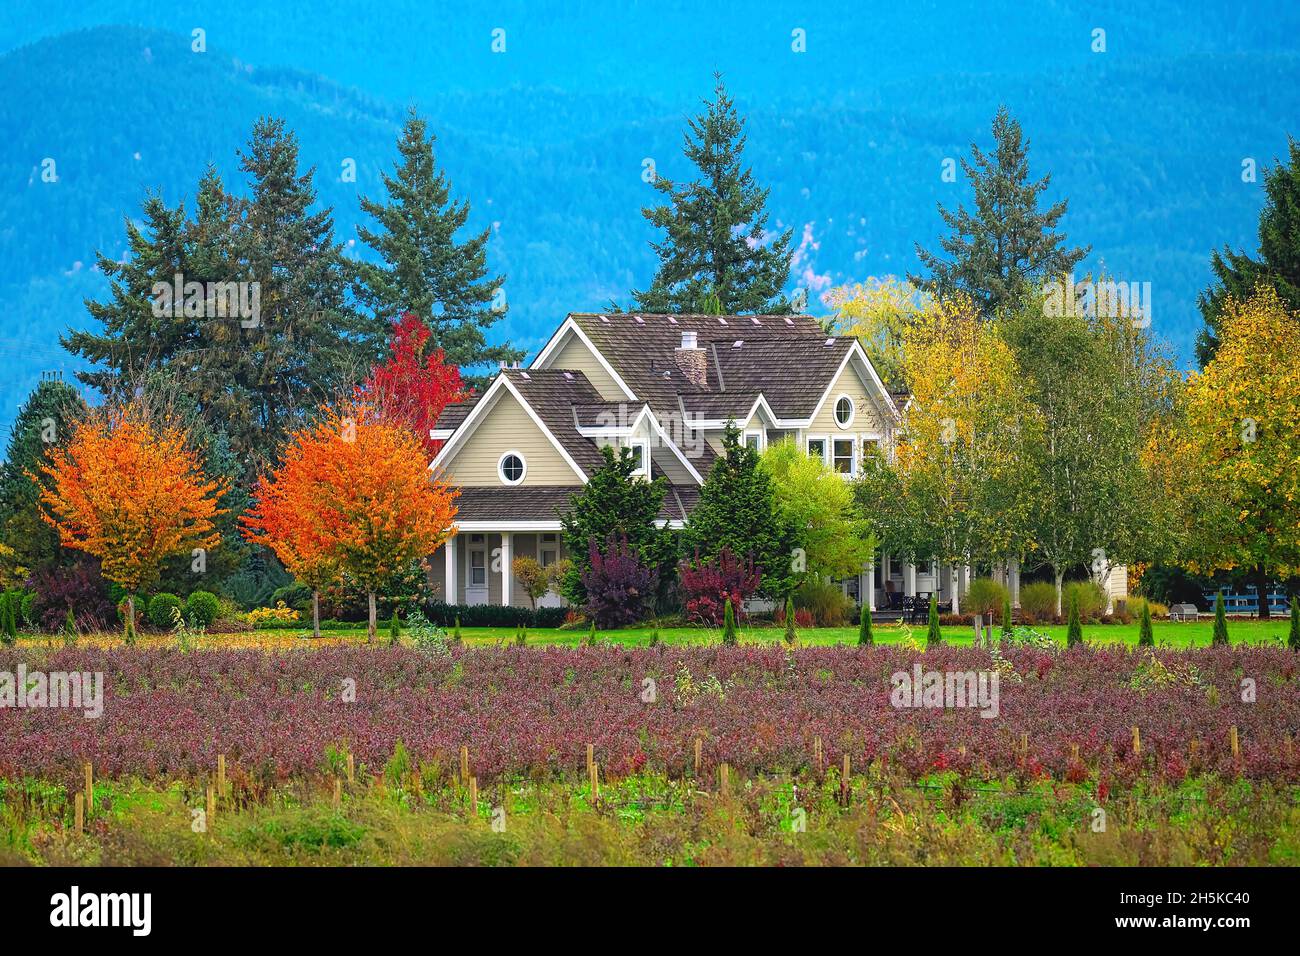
(1169,633)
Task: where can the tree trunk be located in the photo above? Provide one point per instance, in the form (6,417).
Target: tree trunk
(1060,590)
(370,632)
(1261,588)
(315,614)
(130,615)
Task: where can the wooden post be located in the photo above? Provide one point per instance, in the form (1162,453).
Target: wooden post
(1236,743)
(979,628)
(79,812)
(1290,747)
(817,752)
(352,769)
(90,788)
(221,774)
(593,774)
(724,778)
(212,808)
(697,756)
(591,757)
(1074,752)
(338,793)
(844,780)
(1137,740)
(473,795)
(464,763)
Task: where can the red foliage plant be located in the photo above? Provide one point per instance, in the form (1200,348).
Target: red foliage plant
(619,587)
(411,387)
(707,585)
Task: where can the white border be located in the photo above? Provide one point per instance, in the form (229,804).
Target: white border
(853,411)
(501,472)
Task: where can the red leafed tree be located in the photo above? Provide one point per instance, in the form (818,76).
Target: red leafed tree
(415,383)
(708,585)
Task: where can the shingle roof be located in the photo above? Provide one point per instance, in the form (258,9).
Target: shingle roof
(751,367)
(552,394)
(548,502)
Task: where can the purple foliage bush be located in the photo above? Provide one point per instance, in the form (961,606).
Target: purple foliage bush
(708,585)
(619,587)
(80,587)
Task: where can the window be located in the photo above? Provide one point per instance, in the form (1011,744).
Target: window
(550,536)
(870,448)
(638,457)
(844,411)
(817,448)
(478,568)
(549,556)
(754,440)
(512,468)
(843,456)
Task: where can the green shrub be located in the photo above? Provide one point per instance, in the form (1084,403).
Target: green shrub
(985,597)
(70,629)
(202,608)
(1008,622)
(1090,596)
(161,607)
(9,616)
(1038,601)
(394,629)
(829,605)
(933,634)
(1293,639)
(1145,637)
(1158,611)
(790,636)
(1074,635)
(865,636)
(296,596)
(729,625)
(1220,620)
(27,611)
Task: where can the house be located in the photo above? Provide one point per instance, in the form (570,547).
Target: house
(664,386)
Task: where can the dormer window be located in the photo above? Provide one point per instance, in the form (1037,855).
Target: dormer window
(512,468)
(844,411)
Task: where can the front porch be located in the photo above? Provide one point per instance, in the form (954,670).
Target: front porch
(476,566)
(896,586)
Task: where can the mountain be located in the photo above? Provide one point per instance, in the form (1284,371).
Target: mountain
(547,141)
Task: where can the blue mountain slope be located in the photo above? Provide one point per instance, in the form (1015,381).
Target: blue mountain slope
(1146,140)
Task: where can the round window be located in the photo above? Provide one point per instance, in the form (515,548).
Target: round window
(512,468)
(844,411)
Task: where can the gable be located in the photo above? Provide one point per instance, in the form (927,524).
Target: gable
(574,354)
(867,415)
(507,426)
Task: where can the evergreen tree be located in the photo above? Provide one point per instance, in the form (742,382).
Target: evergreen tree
(591,634)
(790,635)
(43,423)
(865,636)
(737,510)
(1074,631)
(1007,619)
(8,619)
(394,629)
(934,635)
(455,634)
(1220,620)
(613,501)
(1293,639)
(716,239)
(424,269)
(1005,243)
(1145,636)
(70,629)
(1236,274)
(729,625)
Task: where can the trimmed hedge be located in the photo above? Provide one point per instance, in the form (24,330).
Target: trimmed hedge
(160,609)
(202,607)
(493,615)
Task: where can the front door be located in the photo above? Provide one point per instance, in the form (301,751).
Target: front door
(476,584)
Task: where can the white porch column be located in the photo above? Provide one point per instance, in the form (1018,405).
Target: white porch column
(1015,582)
(909,579)
(886,568)
(507,574)
(449,549)
(871,583)
(954,576)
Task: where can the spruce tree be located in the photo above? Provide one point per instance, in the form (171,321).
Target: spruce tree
(729,625)
(1007,620)
(934,635)
(790,635)
(865,636)
(1074,631)
(1293,638)
(8,621)
(394,629)
(737,510)
(591,635)
(1236,274)
(1145,636)
(70,629)
(455,634)
(716,239)
(1004,244)
(1220,620)
(424,268)
(614,501)
(44,422)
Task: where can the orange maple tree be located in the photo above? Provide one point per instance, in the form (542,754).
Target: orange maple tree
(130,491)
(353,494)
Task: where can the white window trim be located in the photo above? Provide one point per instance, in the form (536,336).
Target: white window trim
(643,444)
(501,473)
(854,450)
(826,446)
(853,411)
(760,434)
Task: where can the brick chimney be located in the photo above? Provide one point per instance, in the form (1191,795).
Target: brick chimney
(692,360)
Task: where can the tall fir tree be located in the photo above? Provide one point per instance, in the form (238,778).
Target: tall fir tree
(1005,243)
(44,422)
(1220,635)
(737,510)
(1237,274)
(424,268)
(716,238)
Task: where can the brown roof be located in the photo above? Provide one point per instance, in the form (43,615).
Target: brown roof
(548,502)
